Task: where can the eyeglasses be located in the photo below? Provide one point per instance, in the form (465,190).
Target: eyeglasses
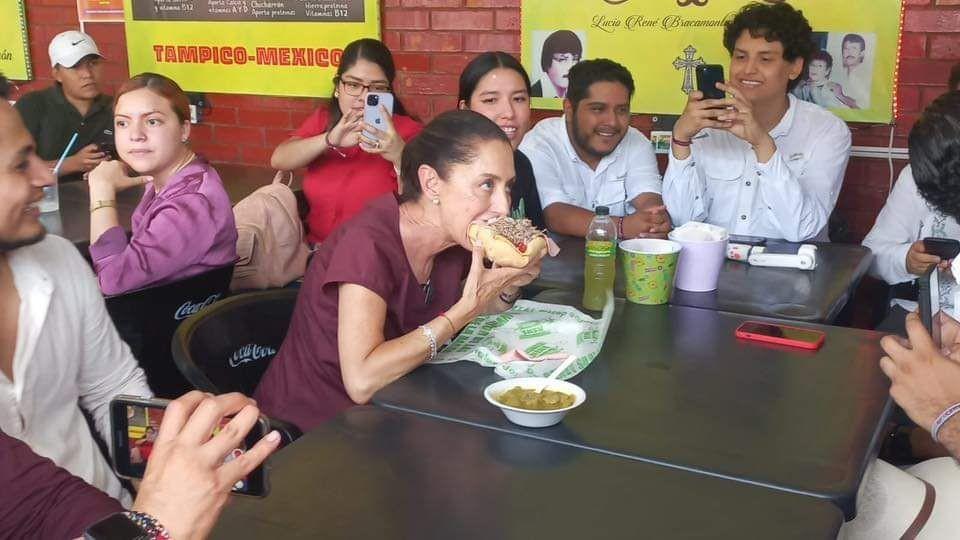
(355,89)
(561,58)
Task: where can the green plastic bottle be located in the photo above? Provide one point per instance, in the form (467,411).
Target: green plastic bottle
(599,265)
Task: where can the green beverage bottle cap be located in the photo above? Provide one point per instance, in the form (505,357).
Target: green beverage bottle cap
(603,211)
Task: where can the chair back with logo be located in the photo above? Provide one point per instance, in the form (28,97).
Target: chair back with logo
(228,346)
(146,319)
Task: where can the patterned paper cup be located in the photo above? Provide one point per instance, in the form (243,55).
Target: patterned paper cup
(649,266)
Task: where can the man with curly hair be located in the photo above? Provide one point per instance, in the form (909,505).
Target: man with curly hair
(924,202)
(760,161)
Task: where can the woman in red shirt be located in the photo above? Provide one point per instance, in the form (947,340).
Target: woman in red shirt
(345,168)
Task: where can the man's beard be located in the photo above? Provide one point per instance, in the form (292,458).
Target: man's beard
(582,140)
(10,245)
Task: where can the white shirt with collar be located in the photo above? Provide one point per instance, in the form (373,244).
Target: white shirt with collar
(856,83)
(905,218)
(790,196)
(68,356)
(562,177)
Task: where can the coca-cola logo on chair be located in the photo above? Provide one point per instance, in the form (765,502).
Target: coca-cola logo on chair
(189,308)
(251,352)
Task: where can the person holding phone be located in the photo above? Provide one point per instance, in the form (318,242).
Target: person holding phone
(923,203)
(760,161)
(495,85)
(921,498)
(184,223)
(185,488)
(395,283)
(73,104)
(349,162)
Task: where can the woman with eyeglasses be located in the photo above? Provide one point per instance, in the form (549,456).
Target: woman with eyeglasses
(346,167)
(184,223)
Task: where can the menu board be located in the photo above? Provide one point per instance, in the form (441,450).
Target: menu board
(100,10)
(249,10)
(264,47)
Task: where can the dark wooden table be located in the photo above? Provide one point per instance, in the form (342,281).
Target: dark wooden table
(380,474)
(673,386)
(811,296)
(73,220)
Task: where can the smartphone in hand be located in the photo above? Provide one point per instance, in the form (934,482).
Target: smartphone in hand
(373,114)
(708,75)
(945,248)
(135,423)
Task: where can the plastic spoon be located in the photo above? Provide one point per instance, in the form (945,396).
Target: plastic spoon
(556,373)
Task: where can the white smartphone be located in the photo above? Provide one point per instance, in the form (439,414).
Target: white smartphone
(372,114)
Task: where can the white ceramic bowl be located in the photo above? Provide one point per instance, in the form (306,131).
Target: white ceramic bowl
(534,419)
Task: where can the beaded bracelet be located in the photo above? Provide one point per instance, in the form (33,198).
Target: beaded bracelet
(946,415)
(149,524)
(432,338)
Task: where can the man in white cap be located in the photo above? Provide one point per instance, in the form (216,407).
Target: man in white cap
(73,104)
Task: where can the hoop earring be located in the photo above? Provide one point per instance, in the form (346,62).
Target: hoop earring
(336,94)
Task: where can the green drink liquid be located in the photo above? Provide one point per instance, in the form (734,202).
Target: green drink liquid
(599,270)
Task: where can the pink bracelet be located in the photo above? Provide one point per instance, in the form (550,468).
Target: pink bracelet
(945,416)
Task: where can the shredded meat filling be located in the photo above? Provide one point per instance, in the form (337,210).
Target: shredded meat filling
(520,232)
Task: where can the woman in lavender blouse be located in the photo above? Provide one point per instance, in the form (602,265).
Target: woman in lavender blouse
(184,224)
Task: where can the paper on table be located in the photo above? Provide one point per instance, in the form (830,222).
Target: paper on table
(695,231)
(550,332)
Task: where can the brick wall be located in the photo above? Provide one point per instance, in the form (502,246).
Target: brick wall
(433,39)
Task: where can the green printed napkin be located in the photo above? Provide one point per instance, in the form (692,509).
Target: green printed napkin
(546,334)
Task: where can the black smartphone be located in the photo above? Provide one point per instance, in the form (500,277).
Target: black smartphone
(945,248)
(708,75)
(106,144)
(135,423)
(748,240)
(785,248)
(929,299)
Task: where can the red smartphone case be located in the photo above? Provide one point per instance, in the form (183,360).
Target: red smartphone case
(743,334)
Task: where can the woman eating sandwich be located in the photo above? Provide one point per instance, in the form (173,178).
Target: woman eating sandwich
(397,281)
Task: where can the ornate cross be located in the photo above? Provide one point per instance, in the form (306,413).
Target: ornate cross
(688,63)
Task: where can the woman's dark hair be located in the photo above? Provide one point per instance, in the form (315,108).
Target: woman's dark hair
(451,138)
(559,42)
(483,64)
(162,86)
(583,74)
(773,22)
(371,50)
(935,154)
(953,83)
(824,57)
(4,87)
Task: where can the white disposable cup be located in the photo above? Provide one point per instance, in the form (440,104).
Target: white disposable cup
(51,199)
(698,269)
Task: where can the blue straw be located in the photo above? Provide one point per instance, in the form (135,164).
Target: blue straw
(63,156)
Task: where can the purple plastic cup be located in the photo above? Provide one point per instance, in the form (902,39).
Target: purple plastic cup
(698,269)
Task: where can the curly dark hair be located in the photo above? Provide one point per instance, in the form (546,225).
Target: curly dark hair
(935,154)
(773,22)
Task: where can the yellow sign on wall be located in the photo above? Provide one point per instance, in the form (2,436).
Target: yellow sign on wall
(14,46)
(662,41)
(268,47)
